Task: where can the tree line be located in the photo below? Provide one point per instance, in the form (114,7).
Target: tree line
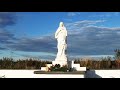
(103,63)
(10,63)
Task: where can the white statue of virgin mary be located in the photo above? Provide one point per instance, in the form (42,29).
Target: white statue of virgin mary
(61,36)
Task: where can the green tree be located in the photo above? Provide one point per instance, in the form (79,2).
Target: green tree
(117,54)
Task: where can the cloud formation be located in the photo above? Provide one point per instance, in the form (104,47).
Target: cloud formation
(106,15)
(81,24)
(43,44)
(1,48)
(7,18)
(6,37)
(84,38)
(88,40)
(71,14)
(93,40)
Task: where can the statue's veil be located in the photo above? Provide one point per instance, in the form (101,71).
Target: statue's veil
(61,24)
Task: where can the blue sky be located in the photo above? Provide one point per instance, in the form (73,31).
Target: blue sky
(31,34)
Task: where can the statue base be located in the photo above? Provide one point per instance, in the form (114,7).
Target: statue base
(61,62)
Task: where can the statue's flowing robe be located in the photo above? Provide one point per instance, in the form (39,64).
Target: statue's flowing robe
(61,35)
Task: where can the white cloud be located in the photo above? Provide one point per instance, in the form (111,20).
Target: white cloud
(106,15)
(102,15)
(81,24)
(116,13)
(73,13)
(85,38)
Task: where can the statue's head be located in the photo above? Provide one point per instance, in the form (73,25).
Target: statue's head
(61,24)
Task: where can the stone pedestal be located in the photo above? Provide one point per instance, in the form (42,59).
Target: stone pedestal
(62,60)
(62,63)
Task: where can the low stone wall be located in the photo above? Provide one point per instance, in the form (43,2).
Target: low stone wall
(18,74)
(30,74)
(88,74)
